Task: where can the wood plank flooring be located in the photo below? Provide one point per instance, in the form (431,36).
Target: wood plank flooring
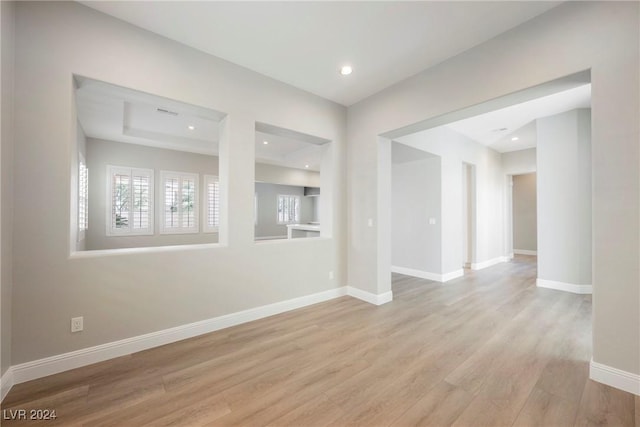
(488,349)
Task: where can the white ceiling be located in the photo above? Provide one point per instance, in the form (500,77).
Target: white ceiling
(288,151)
(527,138)
(114,113)
(304,44)
(496,129)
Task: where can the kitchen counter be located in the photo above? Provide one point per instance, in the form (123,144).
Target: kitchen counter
(303,230)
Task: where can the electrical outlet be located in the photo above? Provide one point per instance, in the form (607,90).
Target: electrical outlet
(331,275)
(77,324)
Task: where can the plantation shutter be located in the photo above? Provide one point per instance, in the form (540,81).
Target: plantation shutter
(212,203)
(288,209)
(180,202)
(83,197)
(130,201)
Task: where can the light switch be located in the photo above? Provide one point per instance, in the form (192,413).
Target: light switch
(370,222)
(432,221)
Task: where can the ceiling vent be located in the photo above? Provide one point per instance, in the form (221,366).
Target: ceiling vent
(165,111)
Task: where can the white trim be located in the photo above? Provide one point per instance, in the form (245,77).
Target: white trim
(75,359)
(614,377)
(489,263)
(210,180)
(296,220)
(524,252)
(96,253)
(452,275)
(284,237)
(83,197)
(376,299)
(180,177)
(6,382)
(285,241)
(111,231)
(428,275)
(563,286)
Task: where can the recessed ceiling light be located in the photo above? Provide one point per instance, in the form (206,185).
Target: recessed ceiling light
(515,138)
(346,70)
(191,127)
(265,142)
(306,166)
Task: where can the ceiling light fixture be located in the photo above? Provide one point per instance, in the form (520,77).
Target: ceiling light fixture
(515,138)
(346,70)
(191,127)
(265,142)
(306,166)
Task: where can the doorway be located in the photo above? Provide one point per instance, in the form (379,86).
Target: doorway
(524,219)
(477,155)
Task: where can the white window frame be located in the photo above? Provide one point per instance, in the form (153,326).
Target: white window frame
(83,197)
(164,175)
(295,220)
(131,172)
(206,228)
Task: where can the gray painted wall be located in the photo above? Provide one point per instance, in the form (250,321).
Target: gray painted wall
(101,153)
(455,149)
(524,212)
(602,37)
(416,192)
(131,293)
(564,197)
(267,195)
(6,201)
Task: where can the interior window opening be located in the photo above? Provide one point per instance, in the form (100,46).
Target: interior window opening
(289,195)
(147,169)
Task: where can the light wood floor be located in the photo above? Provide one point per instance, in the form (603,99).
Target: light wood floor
(488,349)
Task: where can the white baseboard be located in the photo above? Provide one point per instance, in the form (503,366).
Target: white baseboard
(63,362)
(416,273)
(613,377)
(562,286)
(6,382)
(75,359)
(452,275)
(489,263)
(428,275)
(376,299)
(524,252)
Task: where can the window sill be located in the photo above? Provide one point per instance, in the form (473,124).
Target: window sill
(297,239)
(149,250)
